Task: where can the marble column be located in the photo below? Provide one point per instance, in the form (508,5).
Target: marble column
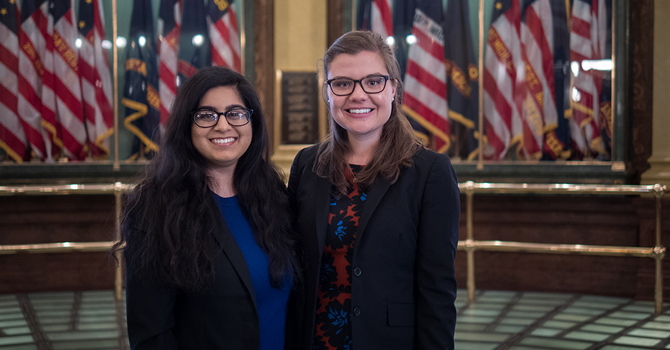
(659,172)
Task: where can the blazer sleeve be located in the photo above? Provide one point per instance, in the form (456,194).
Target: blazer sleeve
(436,249)
(150,314)
(294,182)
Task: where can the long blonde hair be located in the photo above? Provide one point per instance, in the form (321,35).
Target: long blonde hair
(397,143)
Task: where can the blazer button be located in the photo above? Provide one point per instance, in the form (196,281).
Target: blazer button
(357,311)
(357,271)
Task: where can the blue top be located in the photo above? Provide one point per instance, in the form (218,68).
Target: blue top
(270,302)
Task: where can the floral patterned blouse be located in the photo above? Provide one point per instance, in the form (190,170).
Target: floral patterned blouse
(333,312)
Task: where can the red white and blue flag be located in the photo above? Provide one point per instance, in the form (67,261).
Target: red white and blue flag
(504,83)
(67,87)
(425,98)
(588,35)
(169,26)
(539,114)
(96,84)
(224,34)
(376,16)
(34,79)
(12,137)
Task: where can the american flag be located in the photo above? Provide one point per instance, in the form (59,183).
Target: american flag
(169,24)
(375,15)
(587,42)
(66,82)
(96,81)
(12,137)
(539,107)
(224,35)
(425,98)
(33,59)
(502,66)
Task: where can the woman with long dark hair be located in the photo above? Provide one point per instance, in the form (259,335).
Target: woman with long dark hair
(209,247)
(377,212)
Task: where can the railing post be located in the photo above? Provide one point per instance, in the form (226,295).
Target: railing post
(659,191)
(469,246)
(118,278)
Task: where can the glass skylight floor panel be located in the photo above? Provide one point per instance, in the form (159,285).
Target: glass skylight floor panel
(509,329)
(16,340)
(464,345)
(19,347)
(582,311)
(638,308)
(657,325)
(571,317)
(602,329)
(649,333)
(637,341)
(470,327)
(480,312)
(86,345)
(517,321)
(97,319)
(589,336)
(18,321)
(612,321)
(620,347)
(559,324)
(539,308)
(630,315)
(475,319)
(545,332)
(525,314)
(552,343)
(17,331)
(481,337)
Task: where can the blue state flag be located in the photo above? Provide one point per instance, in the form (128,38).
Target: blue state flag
(140,92)
(195,48)
(462,79)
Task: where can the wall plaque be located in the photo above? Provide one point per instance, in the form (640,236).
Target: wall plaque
(299,108)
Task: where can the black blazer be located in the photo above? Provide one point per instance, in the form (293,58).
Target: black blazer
(223,318)
(403,285)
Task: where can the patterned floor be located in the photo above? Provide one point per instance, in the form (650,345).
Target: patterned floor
(497,320)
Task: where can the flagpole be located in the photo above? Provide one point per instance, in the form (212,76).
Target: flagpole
(480,115)
(115,55)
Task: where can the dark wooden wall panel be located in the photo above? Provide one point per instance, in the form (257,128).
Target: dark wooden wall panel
(50,219)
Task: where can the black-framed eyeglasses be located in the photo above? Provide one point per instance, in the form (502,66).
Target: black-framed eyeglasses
(372,84)
(207,118)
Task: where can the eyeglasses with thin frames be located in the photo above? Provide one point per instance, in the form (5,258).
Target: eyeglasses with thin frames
(372,84)
(207,118)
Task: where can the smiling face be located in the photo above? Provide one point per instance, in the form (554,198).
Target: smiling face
(221,145)
(363,115)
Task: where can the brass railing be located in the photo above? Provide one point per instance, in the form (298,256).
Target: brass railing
(470,245)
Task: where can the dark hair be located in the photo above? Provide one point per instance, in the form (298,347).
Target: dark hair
(170,219)
(397,144)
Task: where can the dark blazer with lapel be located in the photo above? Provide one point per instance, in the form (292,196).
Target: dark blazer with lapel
(403,287)
(224,317)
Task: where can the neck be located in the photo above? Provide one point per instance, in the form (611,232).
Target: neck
(221,182)
(361,149)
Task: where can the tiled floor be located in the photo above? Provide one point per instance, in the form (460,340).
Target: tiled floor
(497,320)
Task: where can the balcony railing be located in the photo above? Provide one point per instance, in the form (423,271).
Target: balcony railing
(470,245)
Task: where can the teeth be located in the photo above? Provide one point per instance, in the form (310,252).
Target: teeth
(222,141)
(360,110)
